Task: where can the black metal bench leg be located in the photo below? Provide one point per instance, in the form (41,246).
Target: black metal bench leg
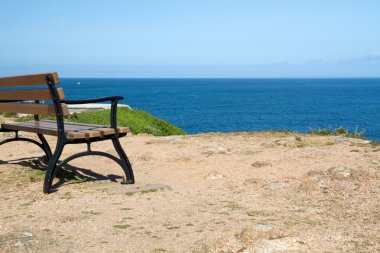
(45,146)
(52,167)
(127,167)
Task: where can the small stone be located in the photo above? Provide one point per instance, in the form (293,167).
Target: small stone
(276,185)
(27,234)
(214,176)
(351,140)
(260,164)
(172,139)
(314,172)
(276,245)
(19,244)
(263,227)
(215,150)
(287,141)
(340,172)
(322,184)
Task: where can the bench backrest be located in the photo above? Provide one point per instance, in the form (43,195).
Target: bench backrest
(11,99)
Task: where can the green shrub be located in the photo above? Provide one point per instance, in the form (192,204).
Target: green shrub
(321,131)
(339,131)
(8,114)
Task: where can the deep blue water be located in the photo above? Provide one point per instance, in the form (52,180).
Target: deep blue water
(224,105)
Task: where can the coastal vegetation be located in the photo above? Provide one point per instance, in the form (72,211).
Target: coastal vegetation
(339,131)
(138,120)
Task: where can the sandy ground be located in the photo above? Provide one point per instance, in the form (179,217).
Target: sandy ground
(235,192)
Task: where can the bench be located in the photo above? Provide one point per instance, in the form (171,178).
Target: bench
(23,94)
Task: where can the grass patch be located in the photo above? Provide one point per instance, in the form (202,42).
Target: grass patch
(233,206)
(339,131)
(257,213)
(148,191)
(91,212)
(173,227)
(8,114)
(169,226)
(122,226)
(141,192)
(37,175)
(160,250)
(67,195)
(138,120)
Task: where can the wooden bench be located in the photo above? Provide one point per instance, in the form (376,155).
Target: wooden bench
(15,91)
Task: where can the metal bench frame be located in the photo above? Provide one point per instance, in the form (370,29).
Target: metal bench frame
(53,158)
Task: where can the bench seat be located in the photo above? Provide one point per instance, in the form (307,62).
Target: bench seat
(72,130)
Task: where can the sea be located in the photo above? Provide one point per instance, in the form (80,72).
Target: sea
(233,105)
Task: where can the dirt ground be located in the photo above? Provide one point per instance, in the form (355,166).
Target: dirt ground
(233,192)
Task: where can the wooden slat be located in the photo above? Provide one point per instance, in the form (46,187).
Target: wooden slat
(37,94)
(90,133)
(27,80)
(77,124)
(28,128)
(75,135)
(82,124)
(68,125)
(123,130)
(41,130)
(72,130)
(50,128)
(31,108)
(105,131)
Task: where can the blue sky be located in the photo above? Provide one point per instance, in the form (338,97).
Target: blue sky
(205,38)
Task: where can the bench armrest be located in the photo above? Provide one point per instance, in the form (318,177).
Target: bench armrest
(113,100)
(94,100)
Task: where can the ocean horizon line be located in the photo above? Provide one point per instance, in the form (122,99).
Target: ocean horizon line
(219,78)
